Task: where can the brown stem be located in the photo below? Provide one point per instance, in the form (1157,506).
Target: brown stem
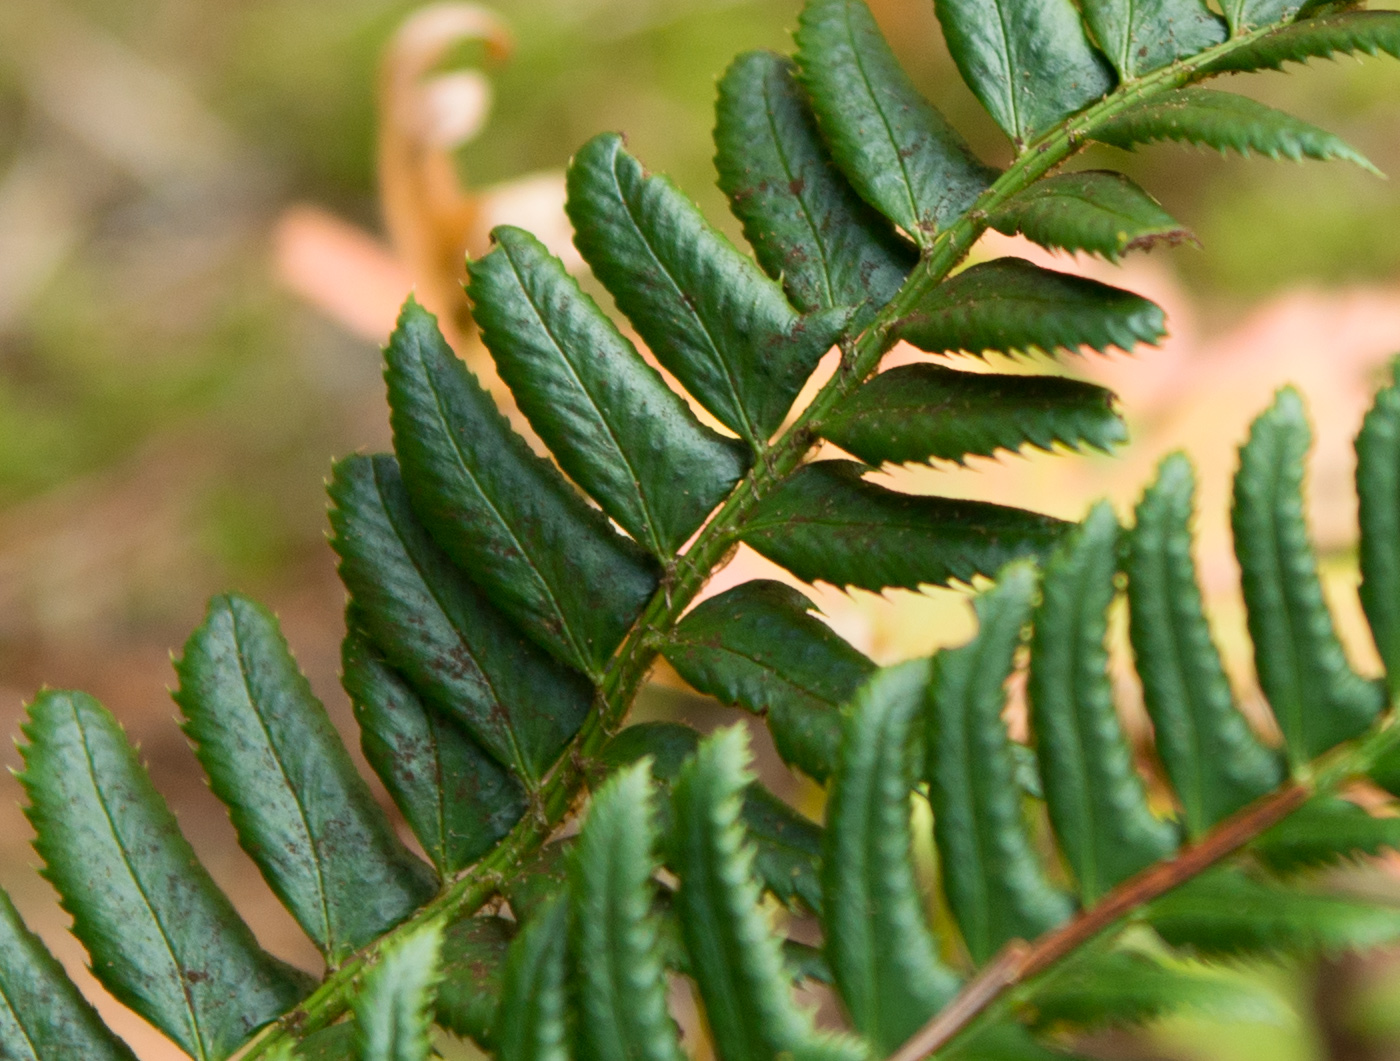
(1018,961)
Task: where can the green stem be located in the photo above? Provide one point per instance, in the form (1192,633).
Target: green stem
(634,658)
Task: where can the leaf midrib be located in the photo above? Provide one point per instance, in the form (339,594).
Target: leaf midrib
(120,845)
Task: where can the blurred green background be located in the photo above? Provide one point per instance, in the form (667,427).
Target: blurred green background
(168,409)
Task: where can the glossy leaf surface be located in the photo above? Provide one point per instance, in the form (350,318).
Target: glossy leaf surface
(608,417)
(1251,14)
(899,153)
(757,646)
(826,523)
(1144,35)
(991,874)
(884,957)
(1097,803)
(457,799)
(1012,306)
(536,548)
(1096,211)
(440,632)
(1225,122)
(301,810)
(1029,61)
(43,1015)
(1318,700)
(914,414)
(472,963)
(1325,35)
(161,936)
(806,223)
(1215,761)
(704,308)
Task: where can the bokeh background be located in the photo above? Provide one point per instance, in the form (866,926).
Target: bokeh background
(209,212)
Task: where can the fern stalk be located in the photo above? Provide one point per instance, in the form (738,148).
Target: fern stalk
(633,660)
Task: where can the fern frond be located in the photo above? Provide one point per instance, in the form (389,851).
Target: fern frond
(301,810)
(161,935)
(392,1014)
(1226,122)
(1011,306)
(1140,37)
(920,413)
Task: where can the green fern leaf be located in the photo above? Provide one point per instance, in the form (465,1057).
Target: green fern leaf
(608,417)
(787,849)
(621,986)
(1140,37)
(1226,122)
(667,744)
(787,845)
(757,646)
(1250,14)
(990,874)
(1378,496)
(807,225)
(1013,306)
(705,309)
(882,953)
(1318,700)
(393,1006)
(1028,61)
(826,523)
(457,800)
(1225,913)
(534,1022)
(1097,211)
(336,1043)
(1000,1041)
(1313,38)
(1324,831)
(472,963)
(161,936)
(735,957)
(536,548)
(1097,988)
(894,147)
(301,810)
(1096,800)
(1214,761)
(512,697)
(920,413)
(538,877)
(43,1015)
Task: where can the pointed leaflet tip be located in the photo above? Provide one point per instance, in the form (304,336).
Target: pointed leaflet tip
(1215,762)
(897,151)
(301,810)
(1225,122)
(1097,802)
(1029,61)
(884,956)
(921,413)
(1011,306)
(512,697)
(1317,699)
(536,548)
(808,226)
(705,309)
(161,936)
(992,876)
